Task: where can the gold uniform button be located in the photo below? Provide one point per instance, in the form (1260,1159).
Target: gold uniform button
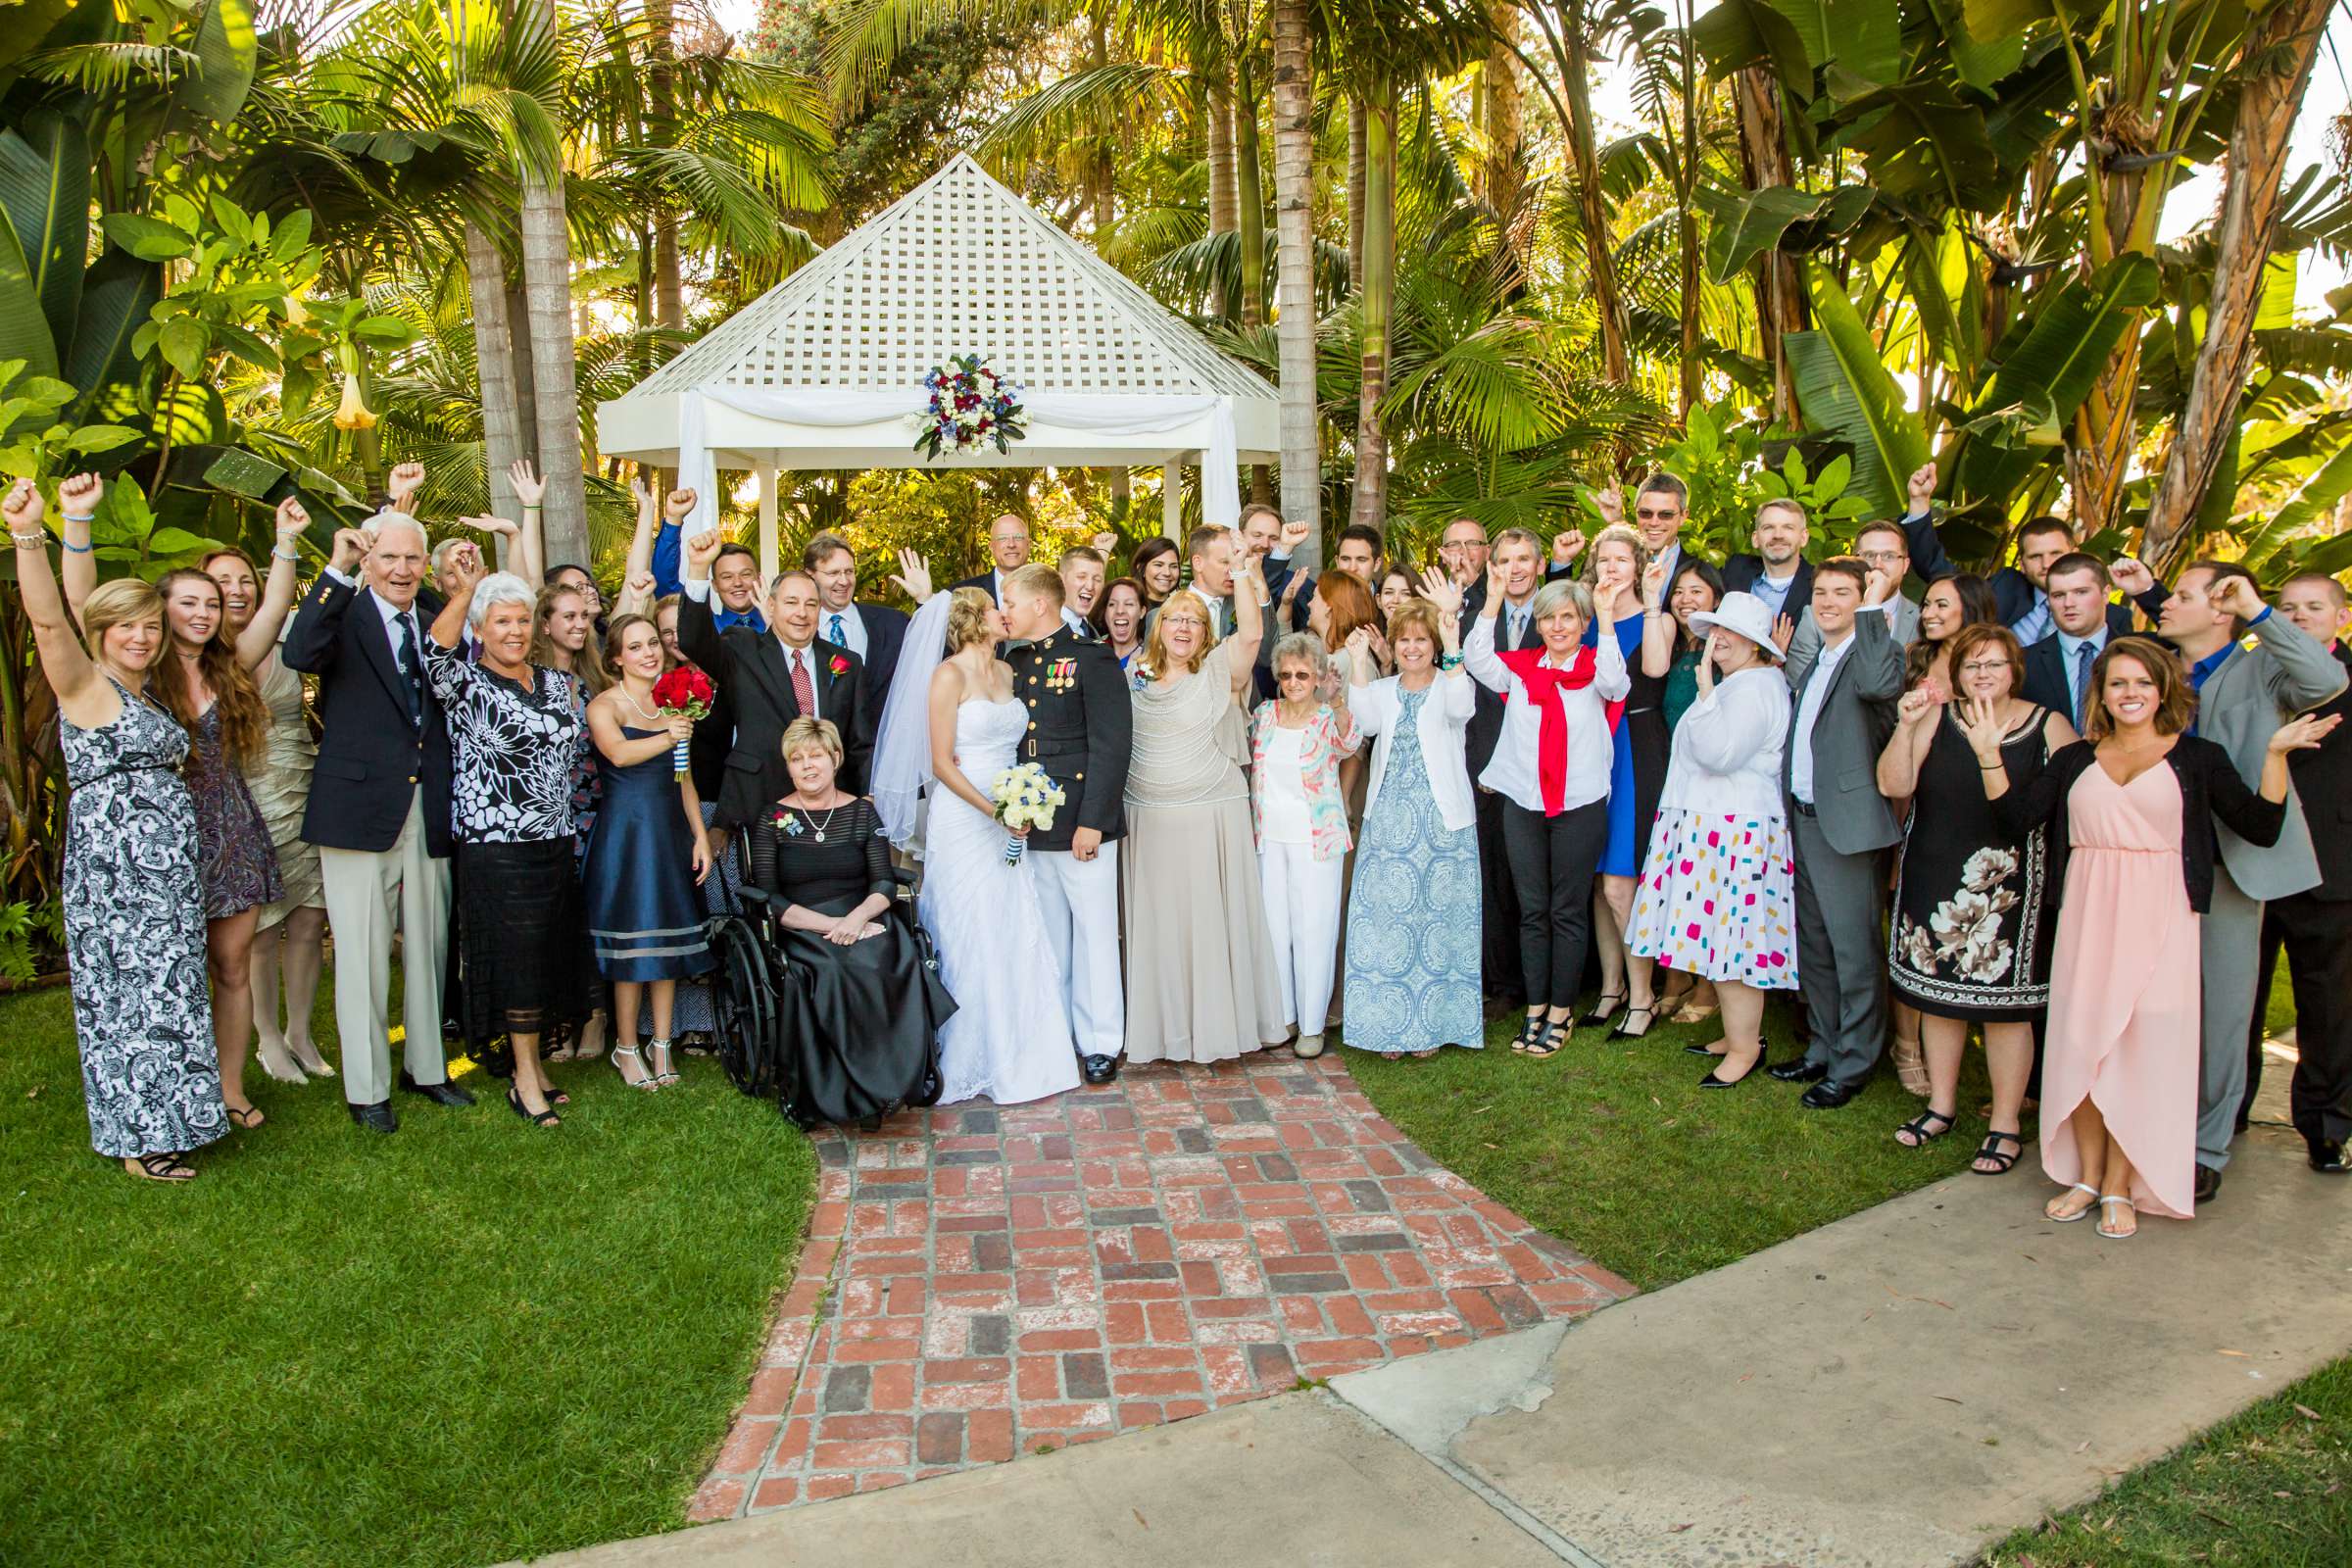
(1033,723)
(1080,777)
(411,778)
(1033,680)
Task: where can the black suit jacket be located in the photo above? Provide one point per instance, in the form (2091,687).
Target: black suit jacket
(986,582)
(1081,732)
(749,667)
(885,640)
(372,761)
(2324,783)
(2013,591)
(2045,677)
(1741,575)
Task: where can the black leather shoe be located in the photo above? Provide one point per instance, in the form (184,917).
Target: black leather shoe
(1698,1050)
(1711,1081)
(441,1094)
(2328,1159)
(2209,1184)
(1828,1095)
(1099,1069)
(376,1118)
(1799,1071)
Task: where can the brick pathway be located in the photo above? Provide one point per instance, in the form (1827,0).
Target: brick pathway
(980,1282)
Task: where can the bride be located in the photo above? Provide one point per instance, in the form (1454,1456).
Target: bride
(952,722)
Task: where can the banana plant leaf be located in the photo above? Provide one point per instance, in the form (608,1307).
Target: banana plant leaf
(1844,389)
(45,197)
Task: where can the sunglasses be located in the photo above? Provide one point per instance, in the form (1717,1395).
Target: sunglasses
(1652,515)
(1288,675)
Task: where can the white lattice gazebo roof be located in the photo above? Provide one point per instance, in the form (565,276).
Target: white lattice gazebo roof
(959,265)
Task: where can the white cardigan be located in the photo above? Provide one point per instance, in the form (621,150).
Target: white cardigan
(1726,760)
(1444,713)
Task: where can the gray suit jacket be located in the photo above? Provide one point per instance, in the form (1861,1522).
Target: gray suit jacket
(1806,644)
(1857,719)
(2240,709)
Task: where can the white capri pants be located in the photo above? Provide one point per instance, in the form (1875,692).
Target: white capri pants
(1302,913)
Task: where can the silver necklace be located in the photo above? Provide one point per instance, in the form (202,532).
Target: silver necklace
(813,823)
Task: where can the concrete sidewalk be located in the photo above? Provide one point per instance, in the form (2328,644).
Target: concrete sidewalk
(1904,1387)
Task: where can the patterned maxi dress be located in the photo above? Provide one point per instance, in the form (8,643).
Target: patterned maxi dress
(1413,977)
(135,937)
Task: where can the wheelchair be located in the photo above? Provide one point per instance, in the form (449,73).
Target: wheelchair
(747,990)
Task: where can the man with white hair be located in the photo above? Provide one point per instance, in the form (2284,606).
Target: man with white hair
(379,807)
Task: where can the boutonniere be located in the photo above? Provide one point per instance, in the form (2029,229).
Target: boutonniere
(788,824)
(840,664)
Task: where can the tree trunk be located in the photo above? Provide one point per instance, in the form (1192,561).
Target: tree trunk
(1686,227)
(1502,117)
(1098,165)
(669,294)
(1295,271)
(1779,292)
(494,366)
(1592,204)
(518,370)
(1250,209)
(1223,204)
(1373,303)
(2277,57)
(1356,193)
(547,282)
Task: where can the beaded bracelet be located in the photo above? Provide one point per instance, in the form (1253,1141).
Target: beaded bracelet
(282,554)
(80,550)
(80,516)
(29,540)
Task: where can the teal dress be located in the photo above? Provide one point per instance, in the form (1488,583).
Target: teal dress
(1412,980)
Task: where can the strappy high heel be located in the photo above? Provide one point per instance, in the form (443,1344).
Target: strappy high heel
(637,1057)
(666,1074)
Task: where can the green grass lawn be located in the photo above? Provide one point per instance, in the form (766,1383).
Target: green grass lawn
(2271,1488)
(471,1341)
(1613,1147)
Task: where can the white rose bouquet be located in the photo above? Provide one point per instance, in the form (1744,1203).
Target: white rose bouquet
(1026,796)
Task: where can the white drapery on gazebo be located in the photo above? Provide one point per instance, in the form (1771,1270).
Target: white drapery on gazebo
(825,369)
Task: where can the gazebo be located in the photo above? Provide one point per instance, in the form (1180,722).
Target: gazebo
(825,369)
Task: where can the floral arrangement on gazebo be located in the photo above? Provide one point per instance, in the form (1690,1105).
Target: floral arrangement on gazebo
(971,406)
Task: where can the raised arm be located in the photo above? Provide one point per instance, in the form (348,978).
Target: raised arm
(637,572)
(529,558)
(465,565)
(914,577)
(83,695)
(260,635)
(1877,657)
(1478,654)
(77,500)
(1249,625)
(315,641)
(1658,628)
(1731,723)
(1916,716)
(1611,680)
(698,630)
(668,541)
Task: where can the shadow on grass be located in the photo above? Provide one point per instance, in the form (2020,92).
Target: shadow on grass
(1612,1147)
(471,1341)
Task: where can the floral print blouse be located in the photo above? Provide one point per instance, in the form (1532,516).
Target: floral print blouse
(1331,735)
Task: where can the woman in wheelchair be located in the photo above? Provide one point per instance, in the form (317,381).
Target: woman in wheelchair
(859,1010)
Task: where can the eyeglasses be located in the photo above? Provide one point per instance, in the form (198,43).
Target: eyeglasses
(1983,666)
(1884,558)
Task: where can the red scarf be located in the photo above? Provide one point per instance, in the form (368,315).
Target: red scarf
(1544,684)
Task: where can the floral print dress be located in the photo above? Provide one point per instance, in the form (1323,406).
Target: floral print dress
(1972,926)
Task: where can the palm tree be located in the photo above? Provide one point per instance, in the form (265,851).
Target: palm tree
(1294,265)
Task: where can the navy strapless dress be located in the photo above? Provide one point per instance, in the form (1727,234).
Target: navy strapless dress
(645,916)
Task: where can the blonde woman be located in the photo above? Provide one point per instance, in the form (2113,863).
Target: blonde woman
(1299,814)
(1202,980)
(1615,568)
(133,903)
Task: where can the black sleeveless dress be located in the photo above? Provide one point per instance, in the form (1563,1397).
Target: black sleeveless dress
(1974,921)
(860,1023)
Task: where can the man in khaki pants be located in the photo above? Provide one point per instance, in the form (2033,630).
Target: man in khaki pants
(380,801)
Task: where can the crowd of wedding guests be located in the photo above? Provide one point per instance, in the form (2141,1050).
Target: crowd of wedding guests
(1406,802)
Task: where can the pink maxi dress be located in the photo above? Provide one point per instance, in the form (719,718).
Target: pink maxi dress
(2125,1009)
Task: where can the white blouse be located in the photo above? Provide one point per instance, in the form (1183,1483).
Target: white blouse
(1726,748)
(1592,747)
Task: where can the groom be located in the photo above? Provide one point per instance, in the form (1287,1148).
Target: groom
(1080,731)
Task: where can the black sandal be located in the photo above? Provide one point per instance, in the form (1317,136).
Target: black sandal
(1549,1043)
(248,1119)
(1999,1159)
(541,1118)
(1921,1134)
(1624,1031)
(1530,1030)
(1608,1006)
(164,1168)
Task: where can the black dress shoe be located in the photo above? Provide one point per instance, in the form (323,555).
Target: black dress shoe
(2209,1184)
(1099,1069)
(441,1094)
(1828,1095)
(1799,1071)
(376,1118)
(1711,1081)
(2328,1159)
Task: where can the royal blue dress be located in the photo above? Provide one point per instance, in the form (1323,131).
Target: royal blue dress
(643,915)
(1629,821)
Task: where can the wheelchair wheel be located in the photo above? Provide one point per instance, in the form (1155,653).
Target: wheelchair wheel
(744,1002)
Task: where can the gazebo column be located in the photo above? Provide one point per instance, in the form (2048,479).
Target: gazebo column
(765,474)
(1171,498)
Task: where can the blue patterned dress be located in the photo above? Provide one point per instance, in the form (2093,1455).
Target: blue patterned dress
(1412,981)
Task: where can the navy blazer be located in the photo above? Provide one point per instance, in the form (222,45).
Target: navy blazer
(986,582)
(1741,572)
(372,761)
(2013,592)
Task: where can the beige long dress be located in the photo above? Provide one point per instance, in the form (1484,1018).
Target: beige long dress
(1200,981)
(280,782)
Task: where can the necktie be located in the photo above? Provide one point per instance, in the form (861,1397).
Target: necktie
(411,678)
(2085,655)
(804,691)
(836,634)
(1518,626)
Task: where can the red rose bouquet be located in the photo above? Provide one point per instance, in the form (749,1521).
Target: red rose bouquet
(684,692)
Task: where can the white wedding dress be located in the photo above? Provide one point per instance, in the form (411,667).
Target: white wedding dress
(1009,1040)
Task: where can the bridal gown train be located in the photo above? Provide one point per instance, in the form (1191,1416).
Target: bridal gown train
(1009,1040)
